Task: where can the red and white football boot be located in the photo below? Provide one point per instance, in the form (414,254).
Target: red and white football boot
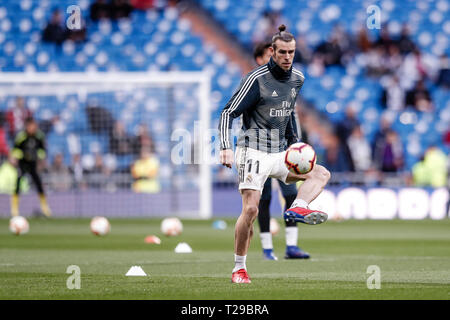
(305,215)
(240,276)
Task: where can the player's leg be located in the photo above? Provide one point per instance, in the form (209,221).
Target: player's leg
(38,182)
(253,167)
(313,184)
(264,221)
(289,192)
(243,234)
(244,224)
(21,170)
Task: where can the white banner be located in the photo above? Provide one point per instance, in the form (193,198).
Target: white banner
(383,203)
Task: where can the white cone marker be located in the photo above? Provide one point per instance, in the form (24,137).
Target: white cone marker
(183,247)
(135,271)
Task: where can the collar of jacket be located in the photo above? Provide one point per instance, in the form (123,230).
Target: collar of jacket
(278,72)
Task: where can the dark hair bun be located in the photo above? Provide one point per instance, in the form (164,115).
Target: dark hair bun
(282,28)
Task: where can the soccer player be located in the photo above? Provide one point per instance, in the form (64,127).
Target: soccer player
(266,98)
(29,146)
(262,56)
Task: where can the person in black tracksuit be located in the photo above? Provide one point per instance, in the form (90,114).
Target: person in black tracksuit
(29,147)
(289,192)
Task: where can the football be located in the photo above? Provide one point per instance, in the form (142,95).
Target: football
(171,227)
(19,225)
(100,226)
(300,158)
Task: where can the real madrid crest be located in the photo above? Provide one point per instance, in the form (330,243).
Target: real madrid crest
(293,92)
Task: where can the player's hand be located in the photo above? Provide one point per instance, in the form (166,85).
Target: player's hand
(227,158)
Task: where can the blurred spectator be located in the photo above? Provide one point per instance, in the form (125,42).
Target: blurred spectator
(317,67)
(302,118)
(100,119)
(99,9)
(345,127)
(98,166)
(98,174)
(8,177)
(120,9)
(376,61)
(4,148)
(393,95)
(143,140)
(77,35)
(432,169)
(384,41)
(303,53)
(347,44)
(16,117)
(415,67)
(145,172)
(59,174)
(46,125)
(405,44)
(363,42)
(331,51)
(342,37)
(316,126)
(419,98)
(120,142)
(444,72)
(142,4)
(55,31)
(266,26)
(76,168)
(447,137)
(389,154)
(336,159)
(380,135)
(360,150)
(393,59)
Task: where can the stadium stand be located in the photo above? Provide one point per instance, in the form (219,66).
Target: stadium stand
(157,39)
(349,81)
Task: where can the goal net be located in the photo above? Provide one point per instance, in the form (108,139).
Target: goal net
(118,144)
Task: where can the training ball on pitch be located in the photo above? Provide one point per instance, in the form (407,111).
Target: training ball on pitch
(152,239)
(300,158)
(171,227)
(274,226)
(18,225)
(219,225)
(100,226)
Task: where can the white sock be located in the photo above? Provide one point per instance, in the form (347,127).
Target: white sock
(266,240)
(291,236)
(299,203)
(239,262)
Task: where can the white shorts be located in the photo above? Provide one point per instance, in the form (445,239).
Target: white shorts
(254,167)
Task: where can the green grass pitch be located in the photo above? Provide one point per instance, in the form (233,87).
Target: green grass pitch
(413,256)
